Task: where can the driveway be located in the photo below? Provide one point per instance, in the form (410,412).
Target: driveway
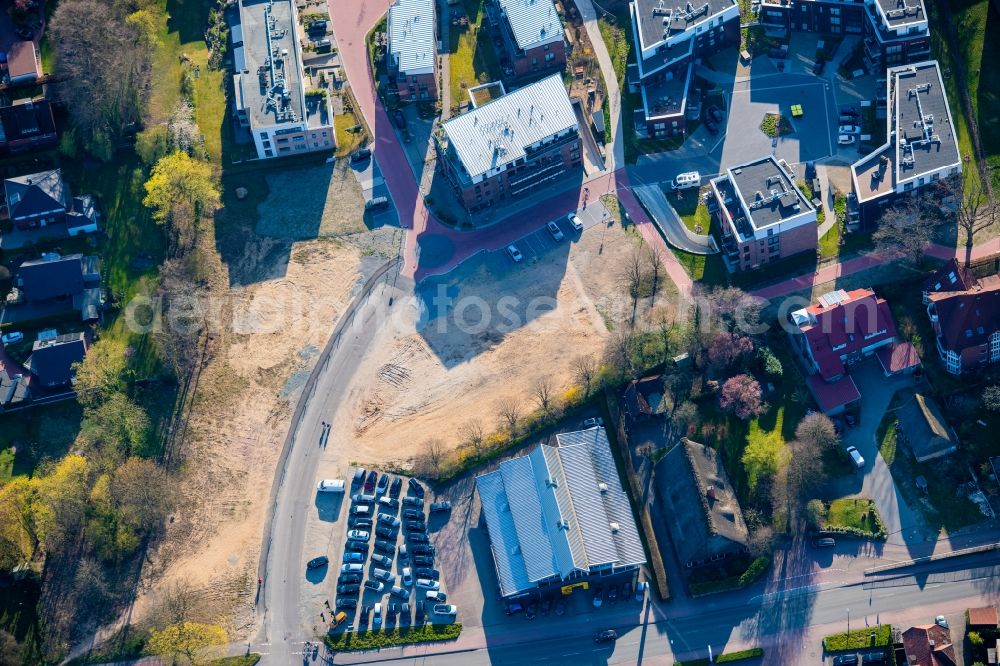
(673,227)
(904,524)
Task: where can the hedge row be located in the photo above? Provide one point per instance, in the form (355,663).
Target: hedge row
(350,641)
(859,639)
(879,534)
(745,579)
(728,657)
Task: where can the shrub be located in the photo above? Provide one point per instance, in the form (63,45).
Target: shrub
(770,363)
(975,638)
(727,657)
(373,640)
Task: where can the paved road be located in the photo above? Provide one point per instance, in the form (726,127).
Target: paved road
(672,226)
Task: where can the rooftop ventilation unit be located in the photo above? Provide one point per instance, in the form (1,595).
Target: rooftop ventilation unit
(603,487)
(614,528)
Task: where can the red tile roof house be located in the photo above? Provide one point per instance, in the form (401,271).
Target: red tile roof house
(983,617)
(839,330)
(929,645)
(967,324)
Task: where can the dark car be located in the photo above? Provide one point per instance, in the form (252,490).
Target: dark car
(416,488)
(873,658)
(606,636)
(440,506)
(347,602)
(382,560)
(362,523)
(357,546)
(397,485)
(385,531)
(397,591)
(348,588)
(370,481)
(714,114)
(383,484)
(360,155)
(810,170)
(387,547)
(410,500)
(359,478)
(819,67)
(416,526)
(317,26)
(426,572)
(825,542)
(850,111)
(423,549)
(417,537)
(363,498)
(350,579)
(317,562)
(711,126)
(845,660)
(413,514)
(423,561)
(399,118)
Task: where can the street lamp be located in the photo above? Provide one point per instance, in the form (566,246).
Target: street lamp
(848,626)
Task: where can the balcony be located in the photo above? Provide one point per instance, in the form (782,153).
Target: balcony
(531,153)
(535,178)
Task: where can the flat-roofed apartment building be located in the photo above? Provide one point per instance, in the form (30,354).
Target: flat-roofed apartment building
(412,49)
(895,32)
(668,37)
(269,97)
(532,34)
(763,216)
(511,145)
(922,146)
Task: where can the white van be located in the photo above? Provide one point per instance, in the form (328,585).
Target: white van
(687,180)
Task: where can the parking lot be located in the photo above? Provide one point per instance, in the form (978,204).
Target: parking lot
(541,240)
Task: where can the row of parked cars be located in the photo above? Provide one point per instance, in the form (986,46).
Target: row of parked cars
(554,231)
(378,511)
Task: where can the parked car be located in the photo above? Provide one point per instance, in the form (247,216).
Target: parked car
(440,506)
(388,521)
(436,596)
(12,337)
(850,112)
(397,484)
(554,231)
(514,253)
(351,556)
(849,129)
(349,578)
(359,478)
(404,555)
(361,511)
(374,585)
(428,584)
(317,562)
(598,597)
(423,549)
(338,620)
(417,537)
(317,26)
(357,546)
(385,532)
(361,154)
(399,118)
(941,621)
(388,503)
(575,220)
(606,636)
(387,547)
(683,181)
(416,526)
(413,514)
(846,140)
(397,591)
(810,171)
(377,615)
(640,590)
(361,523)
(358,535)
(352,568)
(331,486)
(377,203)
(445,609)
(348,588)
(363,498)
(825,542)
(423,561)
(712,127)
(714,113)
(382,560)
(322,46)
(845,660)
(407,575)
(416,489)
(347,602)
(383,485)
(818,67)
(593,423)
(859,462)
(427,572)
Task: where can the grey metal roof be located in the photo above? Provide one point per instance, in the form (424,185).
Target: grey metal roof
(500,131)
(276,96)
(511,572)
(661,19)
(896,13)
(599,499)
(532,21)
(924,131)
(411,34)
(558,510)
(779,196)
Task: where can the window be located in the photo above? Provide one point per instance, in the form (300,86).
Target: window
(268,153)
(550,56)
(898,48)
(835,11)
(263,135)
(834,20)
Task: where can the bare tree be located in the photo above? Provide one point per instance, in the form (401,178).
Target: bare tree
(585,369)
(800,477)
(472,432)
(761,541)
(542,391)
(619,351)
(655,262)
(817,431)
(904,231)
(433,457)
(976,211)
(631,278)
(510,413)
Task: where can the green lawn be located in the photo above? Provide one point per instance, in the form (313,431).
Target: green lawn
(6,464)
(855,514)
(692,208)
(977,28)
(829,243)
(347,141)
(859,639)
(473,60)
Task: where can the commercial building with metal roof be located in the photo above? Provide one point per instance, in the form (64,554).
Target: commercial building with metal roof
(512,144)
(922,146)
(412,48)
(270,97)
(559,514)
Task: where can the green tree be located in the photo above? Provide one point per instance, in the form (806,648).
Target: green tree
(103,372)
(117,426)
(975,638)
(141,491)
(62,500)
(186,642)
(179,190)
(817,431)
(17,522)
(764,454)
